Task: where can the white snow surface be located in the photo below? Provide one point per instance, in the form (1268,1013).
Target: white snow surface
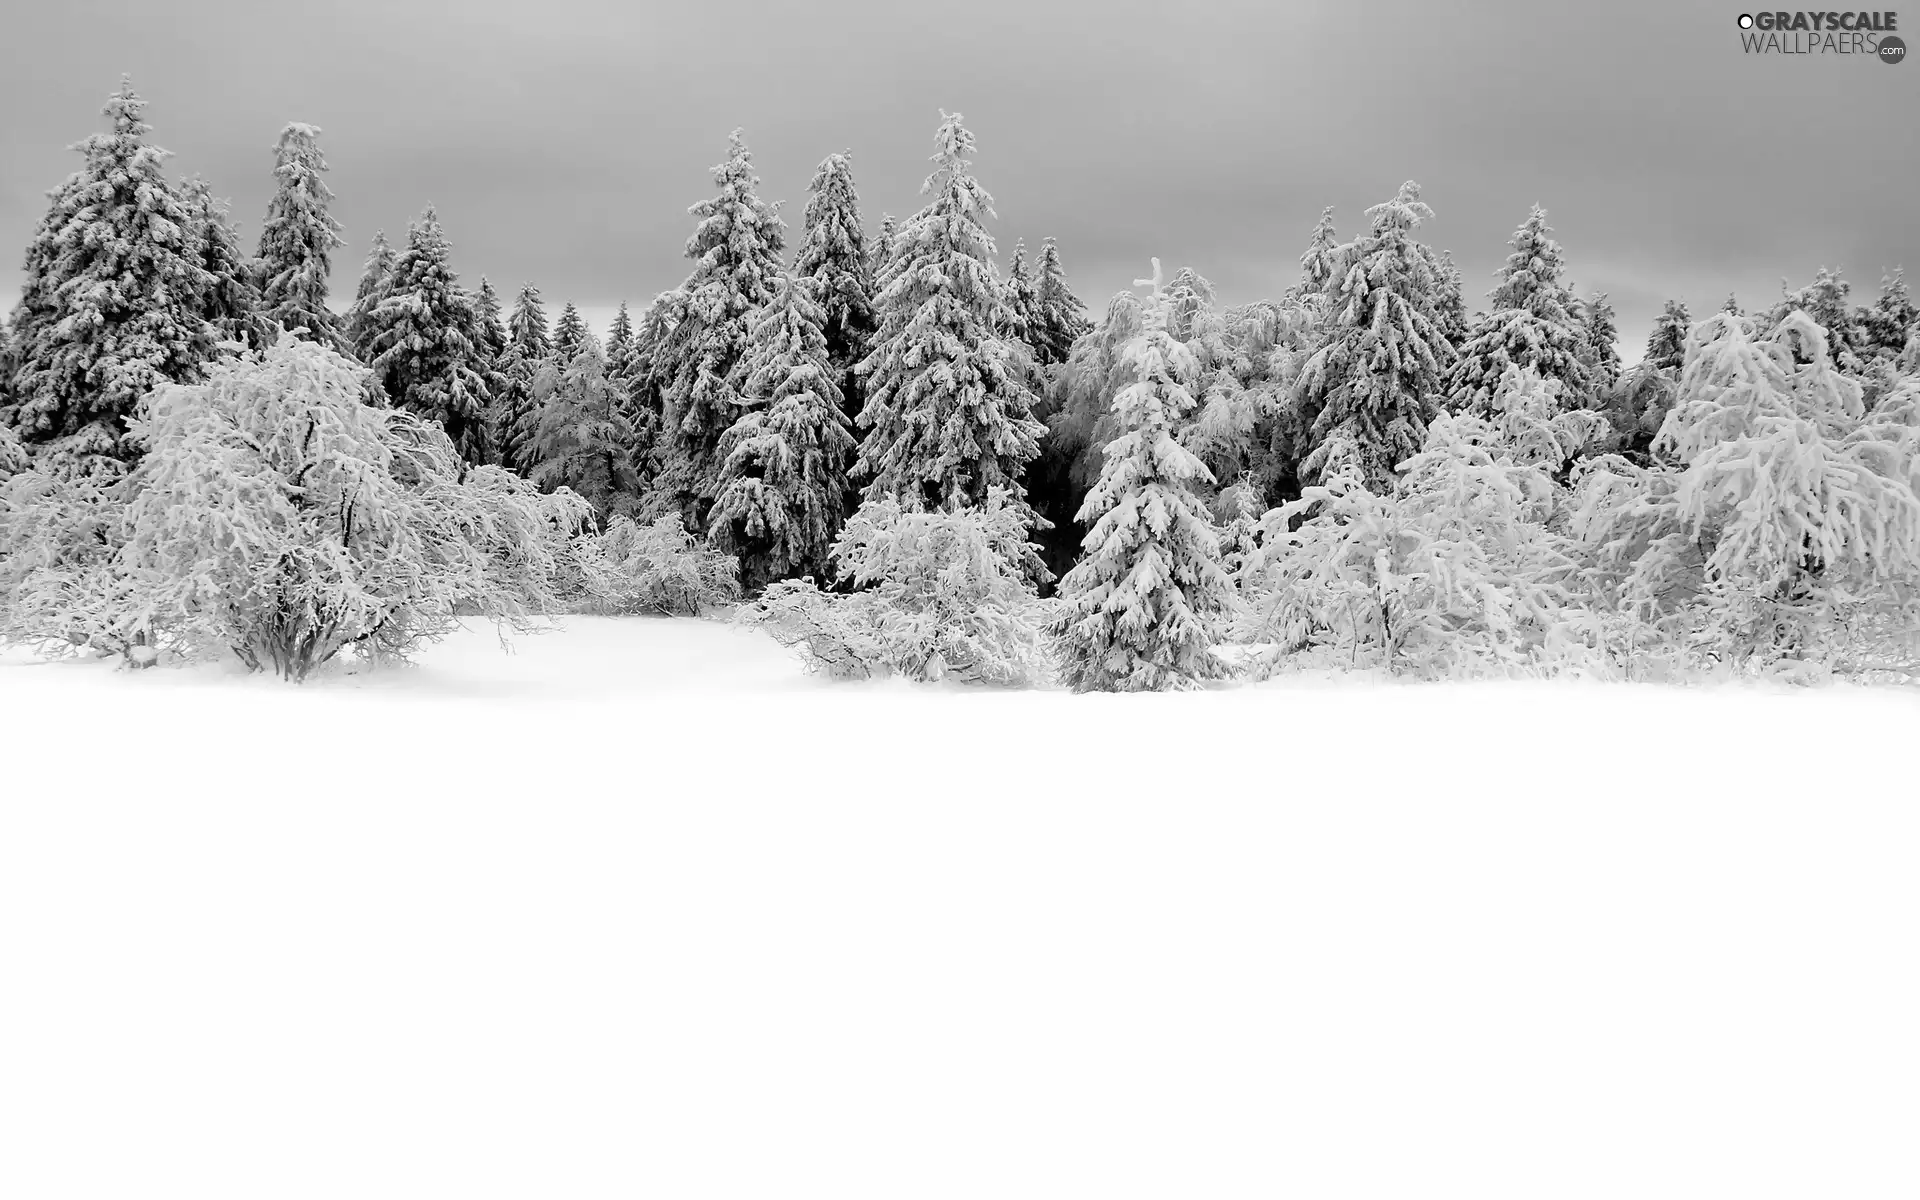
(641,910)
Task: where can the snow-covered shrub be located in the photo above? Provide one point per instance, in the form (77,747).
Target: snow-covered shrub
(658,569)
(13,455)
(60,536)
(1781,522)
(277,514)
(944,593)
(1455,573)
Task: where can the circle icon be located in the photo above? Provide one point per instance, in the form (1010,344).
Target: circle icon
(1746,20)
(1892,50)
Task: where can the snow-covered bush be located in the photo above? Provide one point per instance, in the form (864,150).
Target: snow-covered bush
(60,535)
(944,593)
(1780,522)
(278,515)
(13,455)
(658,569)
(1455,573)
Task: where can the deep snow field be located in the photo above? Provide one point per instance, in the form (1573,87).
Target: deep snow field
(642,911)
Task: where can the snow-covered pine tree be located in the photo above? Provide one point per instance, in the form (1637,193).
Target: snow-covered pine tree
(1141,609)
(881,248)
(1667,344)
(1825,301)
(1450,303)
(231,303)
(620,346)
(1732,306)
(1059,316)
(374,278)
(528,325)
(783,480)
(834,258)
(421,341)
(1021,298)
(1530,326)
(569,332)
(1317,264)
(736,252)
(297,241)
(1362,400)
(111,303)
(486,315)
(1601,338)
(528,378)
(1887,326)
(948,416)
(584,441)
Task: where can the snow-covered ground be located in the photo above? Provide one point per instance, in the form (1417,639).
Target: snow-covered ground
(642,911)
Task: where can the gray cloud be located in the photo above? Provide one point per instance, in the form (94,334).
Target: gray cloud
(562,142)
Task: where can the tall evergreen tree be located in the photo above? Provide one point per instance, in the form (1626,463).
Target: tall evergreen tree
(1362,401)
(1141,608)
(881,248)
(1021,299)
(1886,327)
(374,278)
(1060,317)
(620,345)
(948,418)
(584,440)
(1667,344)
(1825,300)
(736,252)
(486,312)
(528,378)
(834,261)
(112,302)
(528,325)
(1731,306)
(1601,338)
(298,240)
(568,334)
(1531,327)
(1317,264)
(422,341)
(783,480)
(1450,303)
(231,303)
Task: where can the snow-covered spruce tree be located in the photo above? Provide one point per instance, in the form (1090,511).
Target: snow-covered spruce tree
(1886,327)
(1240,536)
(1667,344)
(1788,524)
(1531,326)
(1362,400)
(1732,306)
(1318,264)
(835,261)
(1600,343)
(881,248)
(231,303)
(1021,296)
(297,241)
(527,378)
(1825,301)
(584,441)
(948,417)
(736,253)
(1059,318)
(783,479)
(283,517)
(620,346)
(569,332)
(375,277)
(421,343)
(645,402)
(1140,612)
(111,305)
(487,320)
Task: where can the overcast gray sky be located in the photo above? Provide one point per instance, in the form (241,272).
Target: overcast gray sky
(563,140)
